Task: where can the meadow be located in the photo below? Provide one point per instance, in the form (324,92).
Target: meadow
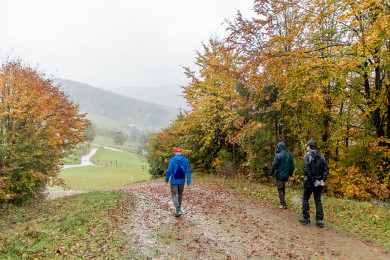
(129,146)
(113,169)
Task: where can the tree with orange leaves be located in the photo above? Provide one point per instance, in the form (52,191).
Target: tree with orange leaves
(38,127)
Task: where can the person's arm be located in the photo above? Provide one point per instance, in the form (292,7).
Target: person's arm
(169,171)
(292,166)
(306,166)
(326,169)
(188,172)
(275,165)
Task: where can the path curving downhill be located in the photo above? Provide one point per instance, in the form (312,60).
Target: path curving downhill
(219,224)
(85,160)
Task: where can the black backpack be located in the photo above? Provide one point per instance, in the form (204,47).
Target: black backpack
(318,168)
(180,173)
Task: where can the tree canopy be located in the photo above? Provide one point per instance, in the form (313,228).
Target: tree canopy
(297,70)
(38,127)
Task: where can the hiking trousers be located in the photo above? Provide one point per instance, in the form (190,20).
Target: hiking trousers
(177,195)
(307,191)
(281,186)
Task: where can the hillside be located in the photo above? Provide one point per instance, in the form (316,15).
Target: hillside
(163,95)
(125,110)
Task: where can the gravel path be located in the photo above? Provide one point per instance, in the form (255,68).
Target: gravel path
(218,224)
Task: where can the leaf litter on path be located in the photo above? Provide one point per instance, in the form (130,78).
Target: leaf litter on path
(220,224)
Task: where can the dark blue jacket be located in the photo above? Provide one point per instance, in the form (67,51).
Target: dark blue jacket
(172,168)
(283,163)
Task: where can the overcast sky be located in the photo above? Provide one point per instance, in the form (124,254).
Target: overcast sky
(108,43)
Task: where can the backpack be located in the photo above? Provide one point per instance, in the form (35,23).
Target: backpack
(317,170)
(180,173)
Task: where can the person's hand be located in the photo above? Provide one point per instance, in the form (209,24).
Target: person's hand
(290,178)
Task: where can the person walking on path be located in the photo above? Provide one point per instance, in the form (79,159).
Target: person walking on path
(316,171)
(178,170)
(284,167)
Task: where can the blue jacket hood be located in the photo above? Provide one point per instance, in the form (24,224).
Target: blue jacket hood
(180,158)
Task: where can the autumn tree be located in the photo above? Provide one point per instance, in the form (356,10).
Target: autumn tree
(38,128)
(161,146)
(212,94)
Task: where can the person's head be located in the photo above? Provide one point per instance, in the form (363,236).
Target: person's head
(177,151)
(311,145)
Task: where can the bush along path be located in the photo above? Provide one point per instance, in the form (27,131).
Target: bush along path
(219,223)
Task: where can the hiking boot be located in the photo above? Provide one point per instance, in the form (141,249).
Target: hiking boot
(319,223)
(305,221)
(282,207)
(178,213)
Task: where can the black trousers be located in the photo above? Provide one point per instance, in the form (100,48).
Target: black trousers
(281,186)
(308,189)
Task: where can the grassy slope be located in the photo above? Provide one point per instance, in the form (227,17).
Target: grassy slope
(100,178)
(129,146)
(103,121)
(82,226)
(105,175)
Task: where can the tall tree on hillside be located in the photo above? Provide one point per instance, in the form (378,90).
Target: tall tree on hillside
(212,94)
(38,127)
(269,48)
(90,131)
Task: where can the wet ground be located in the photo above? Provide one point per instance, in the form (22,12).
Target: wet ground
(218,224)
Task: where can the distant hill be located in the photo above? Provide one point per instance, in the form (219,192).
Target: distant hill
(163,95)
(125,110)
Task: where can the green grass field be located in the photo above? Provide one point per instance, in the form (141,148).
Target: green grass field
(110,158)
(100,178)
(129,146)
(113,169)
(102,121)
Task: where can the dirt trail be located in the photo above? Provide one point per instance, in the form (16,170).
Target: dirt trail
(218,224)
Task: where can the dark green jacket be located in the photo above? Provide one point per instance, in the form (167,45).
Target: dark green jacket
(283,163)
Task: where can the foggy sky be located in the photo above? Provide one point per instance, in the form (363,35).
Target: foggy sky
(110,43)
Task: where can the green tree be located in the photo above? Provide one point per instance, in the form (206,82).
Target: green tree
(90,131)
(119,138)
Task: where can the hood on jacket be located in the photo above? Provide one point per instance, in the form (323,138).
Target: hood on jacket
(314,153)
(180,158)
(281,146)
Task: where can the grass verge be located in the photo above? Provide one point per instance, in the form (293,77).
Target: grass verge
(101,178)
(117,159)
(130,146)
(364,220)
(76,227)
(113,169)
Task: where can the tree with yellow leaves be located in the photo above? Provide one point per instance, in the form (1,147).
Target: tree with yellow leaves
(38,127)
